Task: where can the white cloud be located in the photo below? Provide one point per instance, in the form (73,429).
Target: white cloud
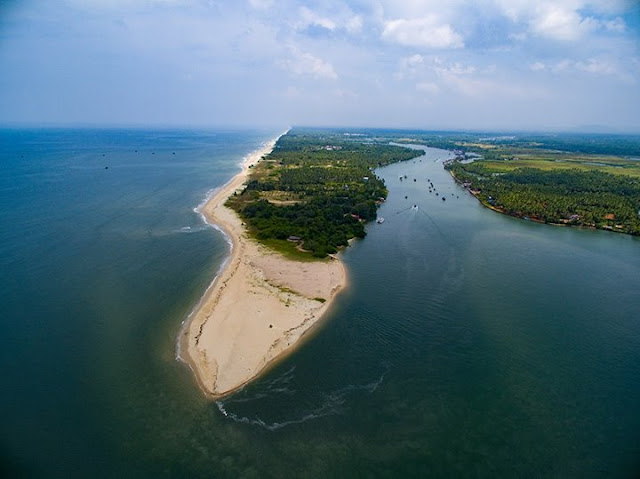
(596,66)
(452,69)
(310,18)
(354,24)
(600,67)
(460,69)
(261,4)
(592,65)
(477,82)
(616,25)
(537,67)
(304,63)
(409,66)
(413,60)
(490,52)
(518,37)
(344,93)
(342,19)
(561,23)
(428,87)
(426,32)
(565,20)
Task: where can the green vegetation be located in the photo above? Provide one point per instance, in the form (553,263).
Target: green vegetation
(573,193)
(313,193)
(562,161)
(316,190)
(493,145)
(573,179)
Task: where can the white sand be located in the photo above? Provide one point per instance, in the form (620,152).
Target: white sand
(258,307)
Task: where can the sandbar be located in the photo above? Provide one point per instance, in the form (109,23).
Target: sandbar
(258,307)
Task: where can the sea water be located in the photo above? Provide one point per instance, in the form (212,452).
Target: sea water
(467,343)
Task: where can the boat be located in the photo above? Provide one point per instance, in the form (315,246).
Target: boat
(380,220)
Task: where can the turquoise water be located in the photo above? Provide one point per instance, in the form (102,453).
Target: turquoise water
(467,344)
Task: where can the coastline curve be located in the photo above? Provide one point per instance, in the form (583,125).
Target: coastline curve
(259,303)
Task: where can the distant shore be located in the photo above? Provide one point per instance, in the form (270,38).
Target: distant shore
(258,307)
(498,209)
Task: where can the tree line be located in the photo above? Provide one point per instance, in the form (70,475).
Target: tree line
(575,197)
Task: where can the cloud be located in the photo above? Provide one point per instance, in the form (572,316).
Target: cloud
(426,32)
(261,4)
(560,23)
(354,24)
(342,19)
(456,68)
(310,18)
(616,25)
(501,56)
(304,63)
(565,20)
(428,87)
(409,66)
(596,66)
(344,93)
(537,66)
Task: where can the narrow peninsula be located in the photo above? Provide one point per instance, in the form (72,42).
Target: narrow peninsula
(295,203)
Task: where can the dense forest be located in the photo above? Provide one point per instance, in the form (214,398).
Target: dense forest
(315,190)
(574,196)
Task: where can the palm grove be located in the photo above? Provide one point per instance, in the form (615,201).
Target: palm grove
(315,190)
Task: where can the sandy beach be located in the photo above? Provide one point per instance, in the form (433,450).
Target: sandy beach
(258,307)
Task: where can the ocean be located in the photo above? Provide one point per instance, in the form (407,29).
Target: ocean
(467,343)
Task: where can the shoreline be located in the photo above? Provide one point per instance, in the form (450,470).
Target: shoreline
(501,211)
(258,306)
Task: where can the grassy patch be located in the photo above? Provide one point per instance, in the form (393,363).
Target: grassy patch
(290,250)
(613,165)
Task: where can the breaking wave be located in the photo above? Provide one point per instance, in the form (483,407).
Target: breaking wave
(330,403)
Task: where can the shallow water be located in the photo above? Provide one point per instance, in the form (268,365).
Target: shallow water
(467,343)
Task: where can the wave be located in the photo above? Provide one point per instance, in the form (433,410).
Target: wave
(192,229)
(330,403)
(199,211)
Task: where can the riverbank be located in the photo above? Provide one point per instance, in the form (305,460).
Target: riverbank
(258,307)
(498,209)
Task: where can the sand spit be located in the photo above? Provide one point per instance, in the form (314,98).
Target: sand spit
(258,307)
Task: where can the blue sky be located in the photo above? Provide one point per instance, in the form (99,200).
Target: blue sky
(430,64)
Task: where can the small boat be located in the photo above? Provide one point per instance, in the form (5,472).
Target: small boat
(380,220)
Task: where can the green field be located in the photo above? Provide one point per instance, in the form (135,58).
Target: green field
(558,161)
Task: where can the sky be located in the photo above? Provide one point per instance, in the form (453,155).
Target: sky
(425,64)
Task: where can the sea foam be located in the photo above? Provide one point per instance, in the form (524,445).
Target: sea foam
(330,403)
